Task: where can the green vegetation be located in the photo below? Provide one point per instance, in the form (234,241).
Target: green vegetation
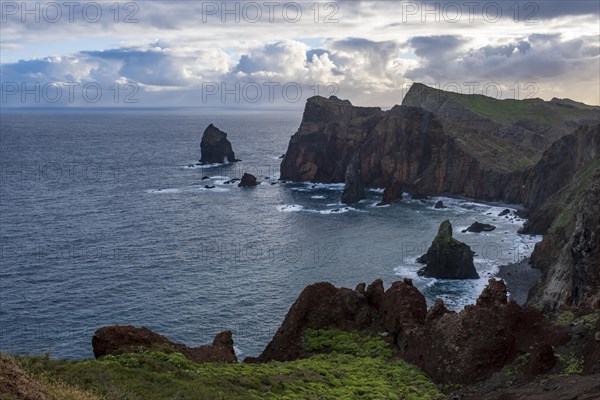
(516,365)
(337,341)
(356,367)
(588,321)
(572,365)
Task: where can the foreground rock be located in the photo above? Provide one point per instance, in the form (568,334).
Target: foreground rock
(215,148)
(127,339)
(450,347)
(447,258)
(15,384)
(248,180)
(321,305)
(478,227)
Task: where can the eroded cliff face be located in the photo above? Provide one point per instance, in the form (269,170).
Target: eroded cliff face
(571,271)
(330,133)
(439,142)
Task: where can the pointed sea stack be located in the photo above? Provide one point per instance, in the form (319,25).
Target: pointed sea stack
(215,148)
(447,258)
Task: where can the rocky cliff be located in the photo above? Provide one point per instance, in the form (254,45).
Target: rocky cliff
(569,255)
(436,142)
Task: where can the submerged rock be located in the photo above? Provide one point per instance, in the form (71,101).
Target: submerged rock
(504,212)
(127,339)
(215,148)
(477,227)
(248,180)
(440,204)
(447,258)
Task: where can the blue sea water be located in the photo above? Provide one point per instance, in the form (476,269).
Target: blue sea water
(104,220)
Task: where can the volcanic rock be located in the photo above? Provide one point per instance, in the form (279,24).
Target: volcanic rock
(127,339)
(447,258)
(215,148)
(477,227)
(354,190)
(248,180)
(439,204)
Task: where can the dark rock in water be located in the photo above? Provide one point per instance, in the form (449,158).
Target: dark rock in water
(205,178)
(127,339)
(215,148)
(281,156)
(447,258)
(391,193)
(248,180)
(505,212)
(273,183)
(208,187)
(354,190)
(440,204)
(478,227)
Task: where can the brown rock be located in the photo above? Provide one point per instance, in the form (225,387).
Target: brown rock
(494,294)
(125,339)
(320,305)
(16,384)
(374,293)
(541,360)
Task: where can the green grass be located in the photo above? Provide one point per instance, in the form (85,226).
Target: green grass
(336,341)
(572,365)
(356,367)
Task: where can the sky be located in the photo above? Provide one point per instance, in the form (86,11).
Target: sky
(240,54)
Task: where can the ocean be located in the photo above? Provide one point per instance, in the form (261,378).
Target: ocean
(105,219)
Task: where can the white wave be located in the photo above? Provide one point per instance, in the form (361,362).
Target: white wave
(164,191)
(318,197)
(376,190)
(337,210)
(290,208)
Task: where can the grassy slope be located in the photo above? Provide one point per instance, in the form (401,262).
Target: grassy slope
(496,152)
(354,366)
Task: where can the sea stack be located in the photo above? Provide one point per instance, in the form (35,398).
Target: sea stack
(354,190)
(447,258)
(215,148)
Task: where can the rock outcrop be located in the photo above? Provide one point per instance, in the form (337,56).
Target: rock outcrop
(248,180)
(126,339)
(215,148)
(354,190)
(470,345)
(451,347)
(321,305)
(447,258)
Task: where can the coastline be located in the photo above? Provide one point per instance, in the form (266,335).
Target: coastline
(519,278)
